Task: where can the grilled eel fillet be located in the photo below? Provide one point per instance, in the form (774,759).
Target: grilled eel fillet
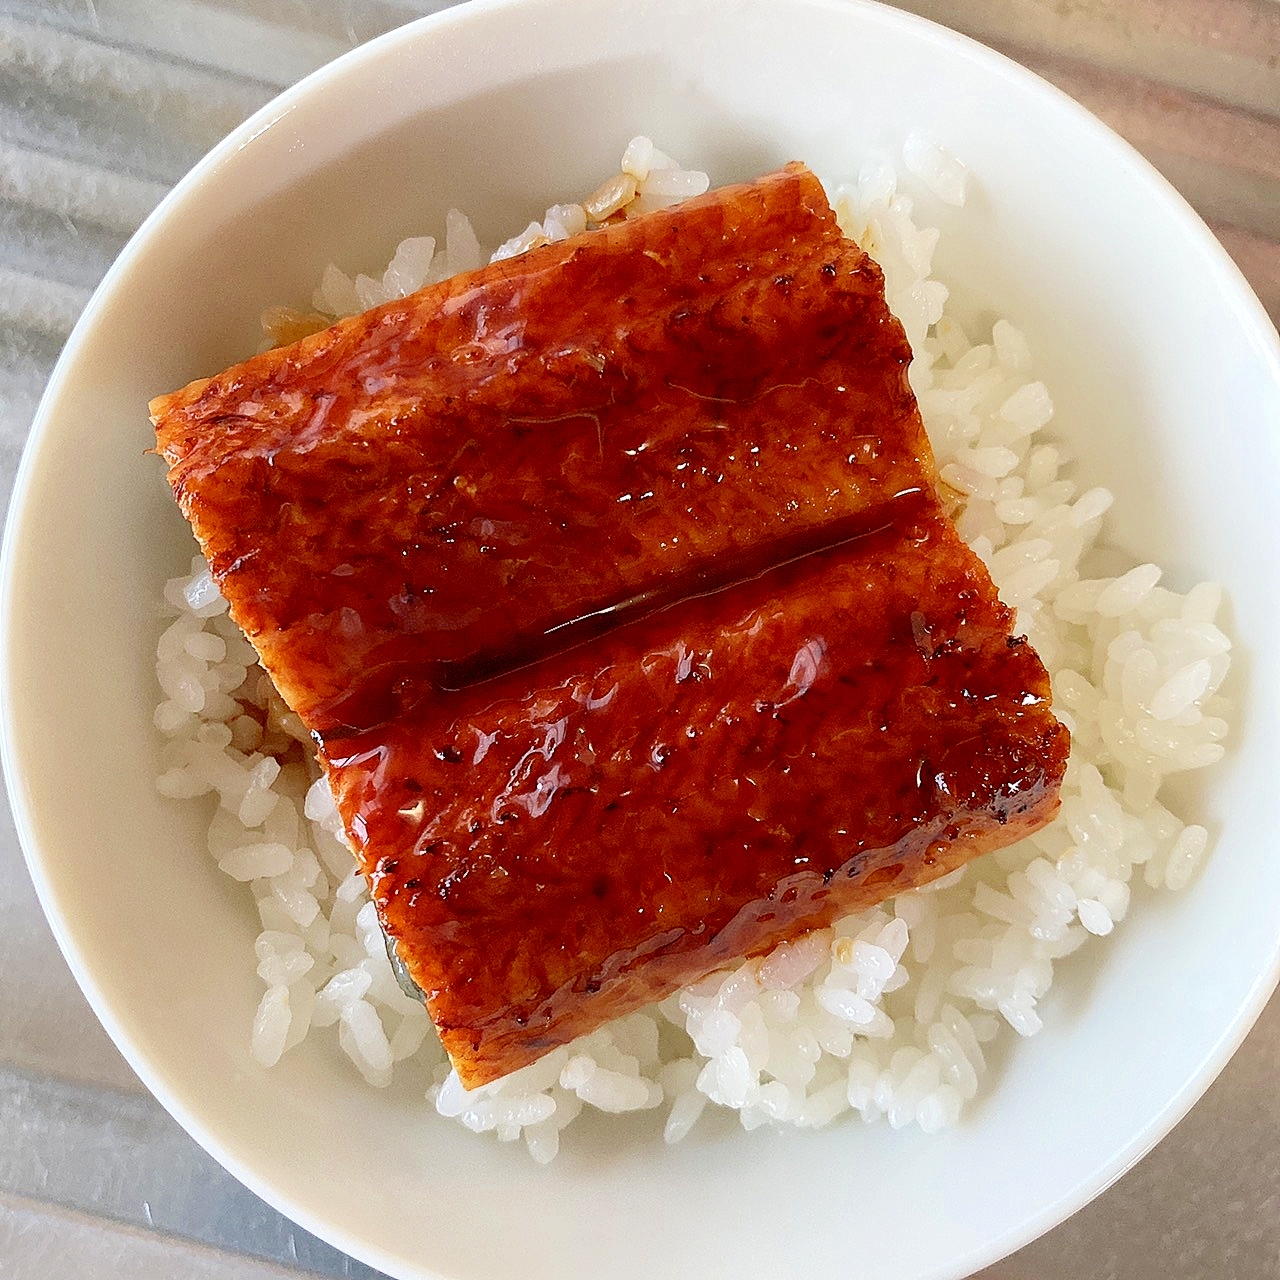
(614,587)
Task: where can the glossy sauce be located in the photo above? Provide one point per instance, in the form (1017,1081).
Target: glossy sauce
(573,841)
(614,586)
(421,494)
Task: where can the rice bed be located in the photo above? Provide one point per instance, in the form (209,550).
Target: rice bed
(887,1013)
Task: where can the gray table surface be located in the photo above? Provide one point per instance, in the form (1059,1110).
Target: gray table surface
(103,105)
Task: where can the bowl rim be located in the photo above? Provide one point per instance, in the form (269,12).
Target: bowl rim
(354,64)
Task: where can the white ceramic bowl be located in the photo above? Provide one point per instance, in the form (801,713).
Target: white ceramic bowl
(1166,377)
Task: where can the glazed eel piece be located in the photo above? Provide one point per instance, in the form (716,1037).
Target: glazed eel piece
(564,844)
(517,457)
(614,587)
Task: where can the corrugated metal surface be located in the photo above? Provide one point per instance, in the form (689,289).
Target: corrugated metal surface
(103,105)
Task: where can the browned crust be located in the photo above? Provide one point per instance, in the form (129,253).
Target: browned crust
(691,429)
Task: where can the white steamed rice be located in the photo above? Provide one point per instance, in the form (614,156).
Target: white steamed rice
(887,1013)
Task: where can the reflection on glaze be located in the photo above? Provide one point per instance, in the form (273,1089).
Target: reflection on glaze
(613,584)
(698,784)
(514,460)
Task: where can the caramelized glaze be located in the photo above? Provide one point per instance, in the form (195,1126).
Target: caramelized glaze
(614,586)
(575,840)
(424,492)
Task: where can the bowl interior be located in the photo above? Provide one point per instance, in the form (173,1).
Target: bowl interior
(1166,379)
